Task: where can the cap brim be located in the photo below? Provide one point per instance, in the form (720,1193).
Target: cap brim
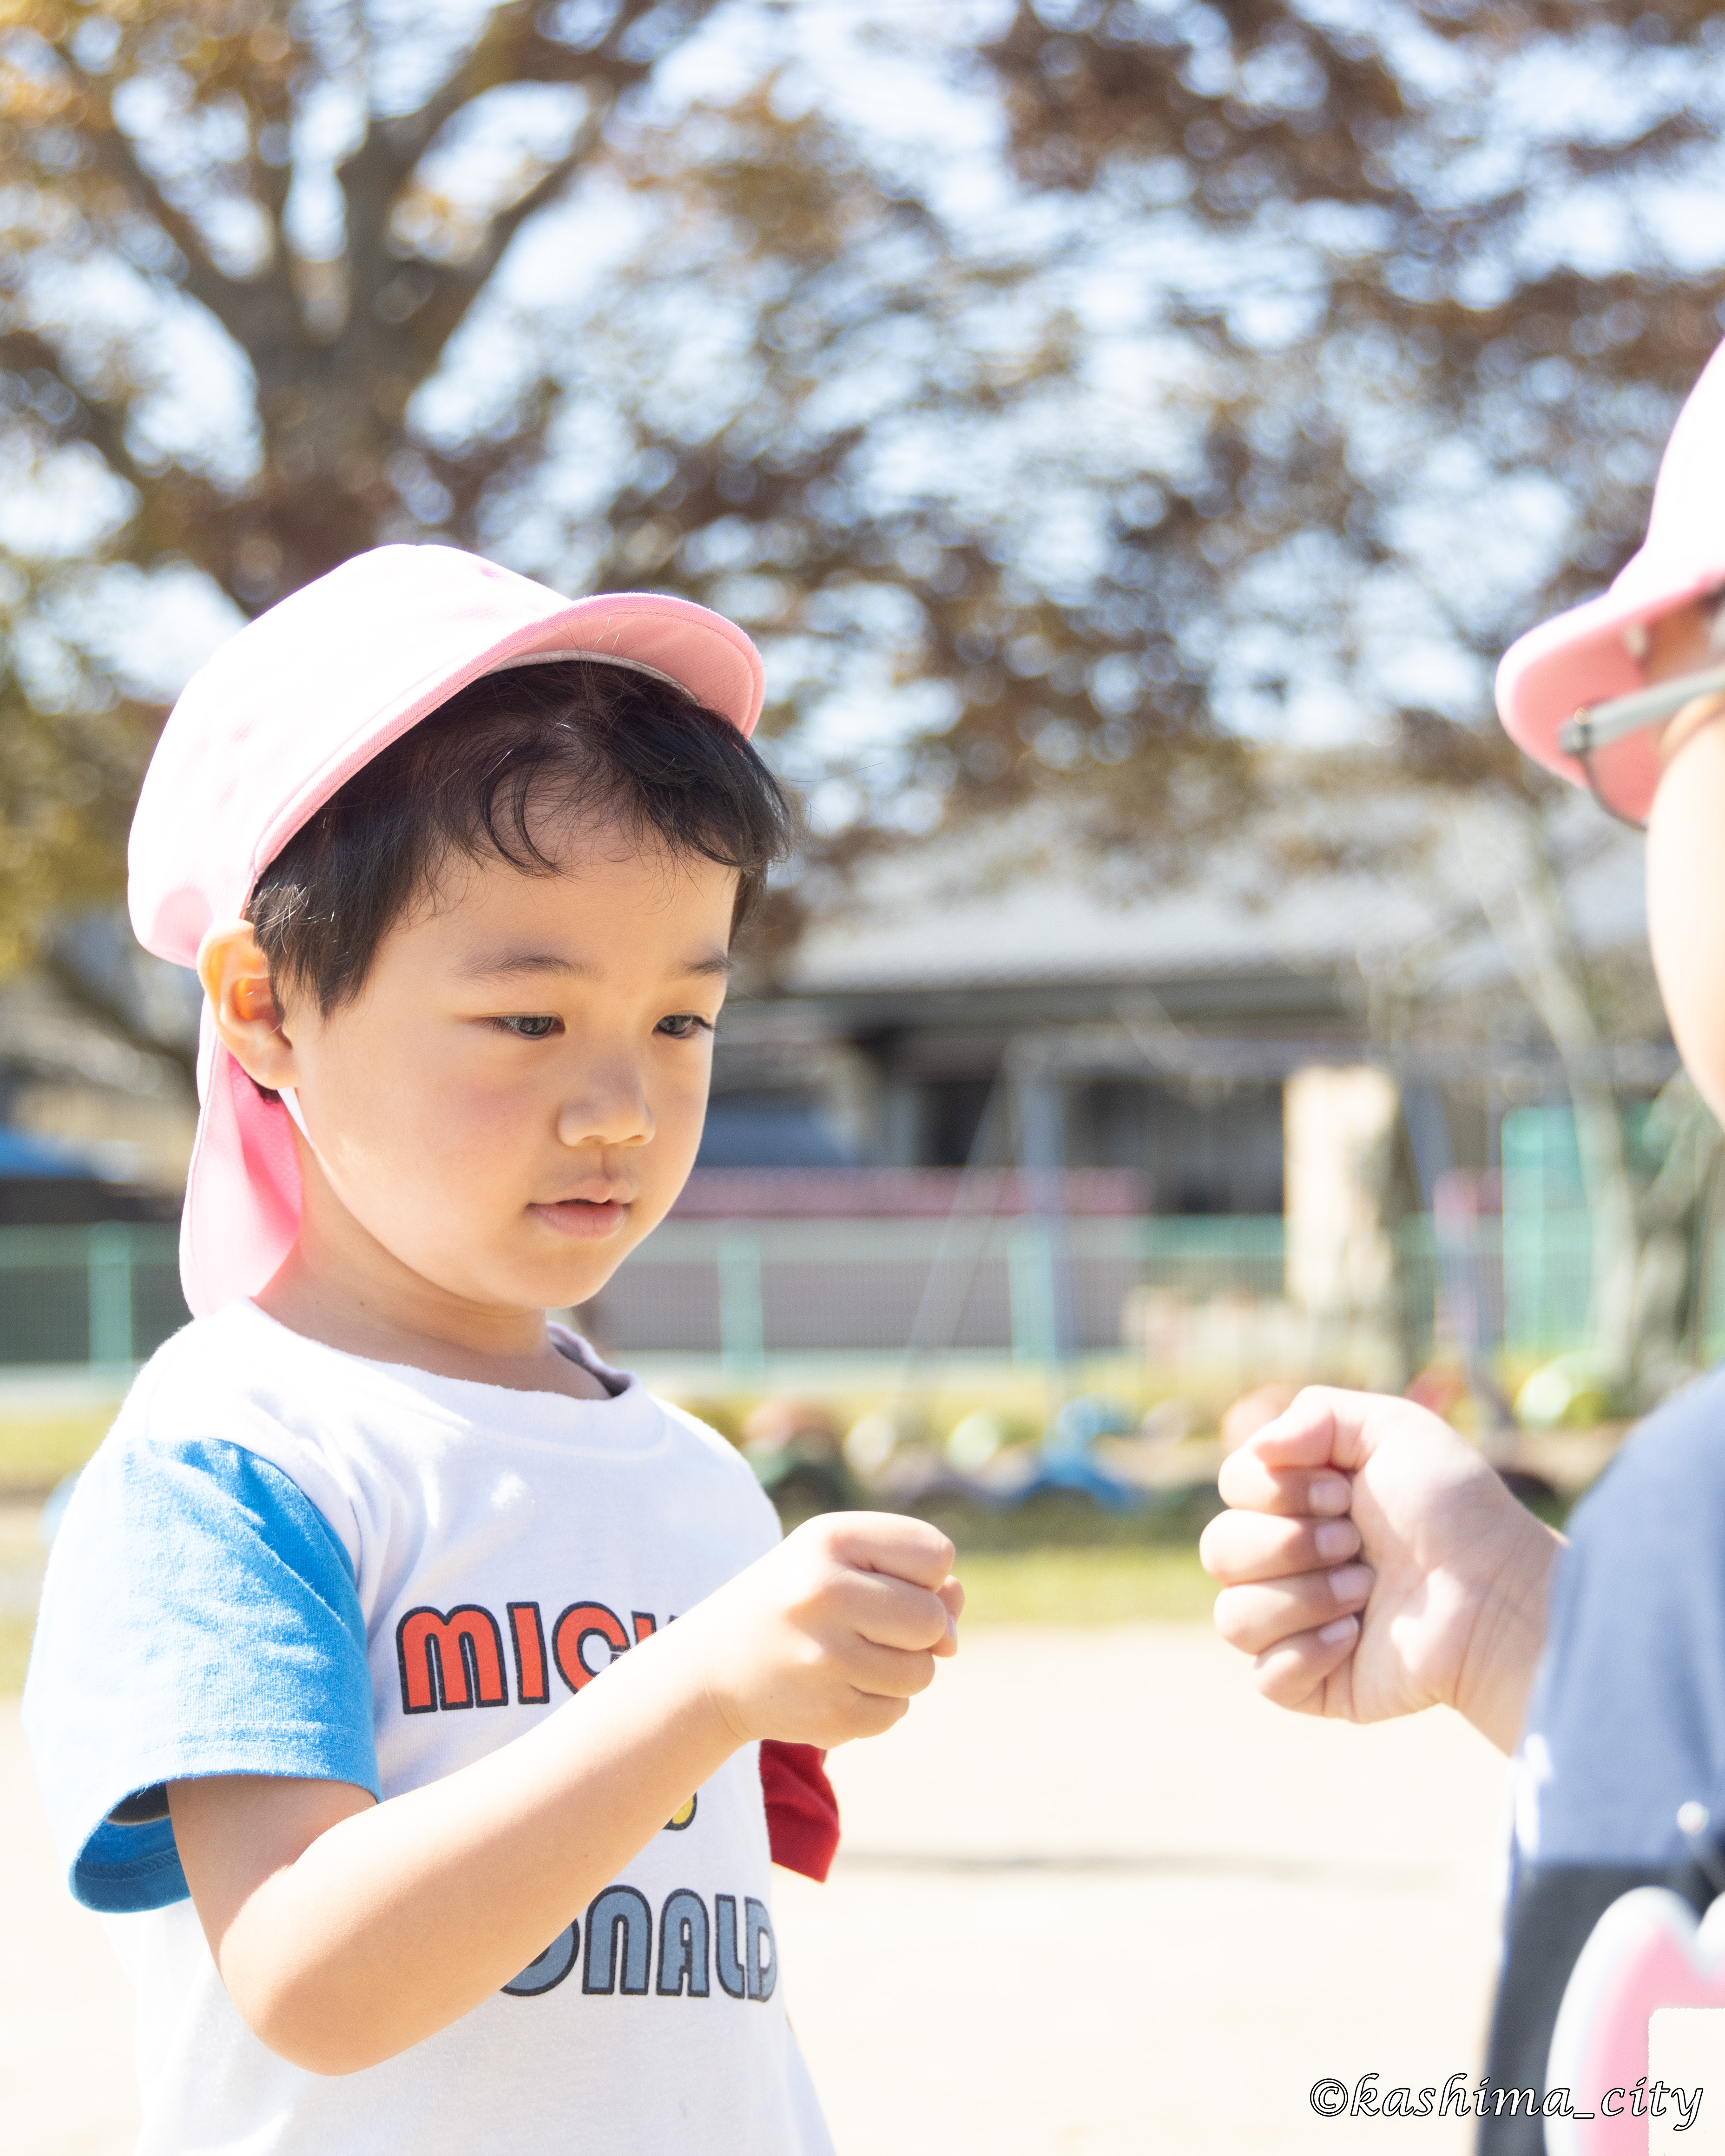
(674,638)
(1581,659)
(708,655)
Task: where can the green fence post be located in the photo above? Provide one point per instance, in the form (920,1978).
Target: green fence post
(1548,1233)
(108,1270)
(1030,1260)
(743,1328)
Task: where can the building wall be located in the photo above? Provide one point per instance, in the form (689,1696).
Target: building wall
(908,1078)
(1201,1151)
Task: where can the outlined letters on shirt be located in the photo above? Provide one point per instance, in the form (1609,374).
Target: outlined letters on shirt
(619,1928)
(682,1945)
(618,1940)
(450,1660)
(747,1966)
(454,1658)
(580,1622)
(532,1687)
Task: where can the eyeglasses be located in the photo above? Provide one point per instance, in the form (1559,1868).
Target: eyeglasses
(1611,743)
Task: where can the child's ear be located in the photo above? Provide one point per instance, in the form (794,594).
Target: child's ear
(235,976)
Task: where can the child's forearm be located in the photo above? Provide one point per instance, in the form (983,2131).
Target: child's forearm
(346,1932)
(395,1919)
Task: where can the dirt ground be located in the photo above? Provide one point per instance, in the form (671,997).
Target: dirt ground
(1095,1899)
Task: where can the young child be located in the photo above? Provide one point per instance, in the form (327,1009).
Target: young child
(359,1628)
(1375,1565)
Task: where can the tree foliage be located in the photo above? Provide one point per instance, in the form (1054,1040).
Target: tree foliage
(1472,277)
(1462,309)
(1278,361)
(1297,358)
(155,166)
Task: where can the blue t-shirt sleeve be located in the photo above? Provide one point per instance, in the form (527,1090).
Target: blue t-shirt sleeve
(199,1617)
(1627,1722)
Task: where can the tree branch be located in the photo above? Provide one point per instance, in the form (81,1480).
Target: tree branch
(232,305)
(25,351)
(512,50)
(457,285)
(1526,915)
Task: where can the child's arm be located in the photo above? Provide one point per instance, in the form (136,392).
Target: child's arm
(346,1930)
(1409,1578)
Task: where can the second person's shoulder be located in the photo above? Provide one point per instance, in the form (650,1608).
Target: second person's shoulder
(1670,1473)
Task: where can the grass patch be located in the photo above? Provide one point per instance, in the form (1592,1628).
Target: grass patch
(1098,1586)
(14,1653)
(1059,1560)
(37,1451)
(1059,1521)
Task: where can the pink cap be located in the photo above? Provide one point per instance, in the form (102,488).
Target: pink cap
(277,721)
(1580,657)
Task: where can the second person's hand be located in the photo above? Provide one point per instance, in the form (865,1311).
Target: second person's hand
(1374,1564)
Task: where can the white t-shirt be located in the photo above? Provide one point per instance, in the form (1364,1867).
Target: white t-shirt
(284,1560)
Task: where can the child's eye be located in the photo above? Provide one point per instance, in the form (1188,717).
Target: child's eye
(682,1025)
(529,1028)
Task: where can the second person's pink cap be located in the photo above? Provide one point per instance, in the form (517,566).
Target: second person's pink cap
(1581,657)
(281,716)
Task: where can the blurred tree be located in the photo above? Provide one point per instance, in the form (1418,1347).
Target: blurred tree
(256,313)
(238,236)
(1346,416)
(1444,294)
(1463,285)
(1294,360)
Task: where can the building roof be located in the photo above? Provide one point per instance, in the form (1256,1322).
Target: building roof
(1020,904)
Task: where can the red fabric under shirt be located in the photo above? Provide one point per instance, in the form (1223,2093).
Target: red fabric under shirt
(801,1811)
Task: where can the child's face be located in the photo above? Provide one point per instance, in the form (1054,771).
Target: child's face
(1686,858)
(516,1097)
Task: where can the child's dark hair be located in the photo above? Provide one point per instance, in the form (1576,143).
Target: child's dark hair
(589,744)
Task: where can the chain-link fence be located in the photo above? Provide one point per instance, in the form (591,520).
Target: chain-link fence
(105,1296)
(1025,1287)
(1031,1289)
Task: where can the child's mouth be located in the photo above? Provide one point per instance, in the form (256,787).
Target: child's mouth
(583,1219)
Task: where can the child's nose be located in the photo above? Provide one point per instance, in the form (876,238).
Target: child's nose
(606,1105)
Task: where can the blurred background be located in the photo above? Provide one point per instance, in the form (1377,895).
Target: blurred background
(1131,432)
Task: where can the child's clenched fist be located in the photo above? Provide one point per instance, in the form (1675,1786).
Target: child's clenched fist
(830,1635)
